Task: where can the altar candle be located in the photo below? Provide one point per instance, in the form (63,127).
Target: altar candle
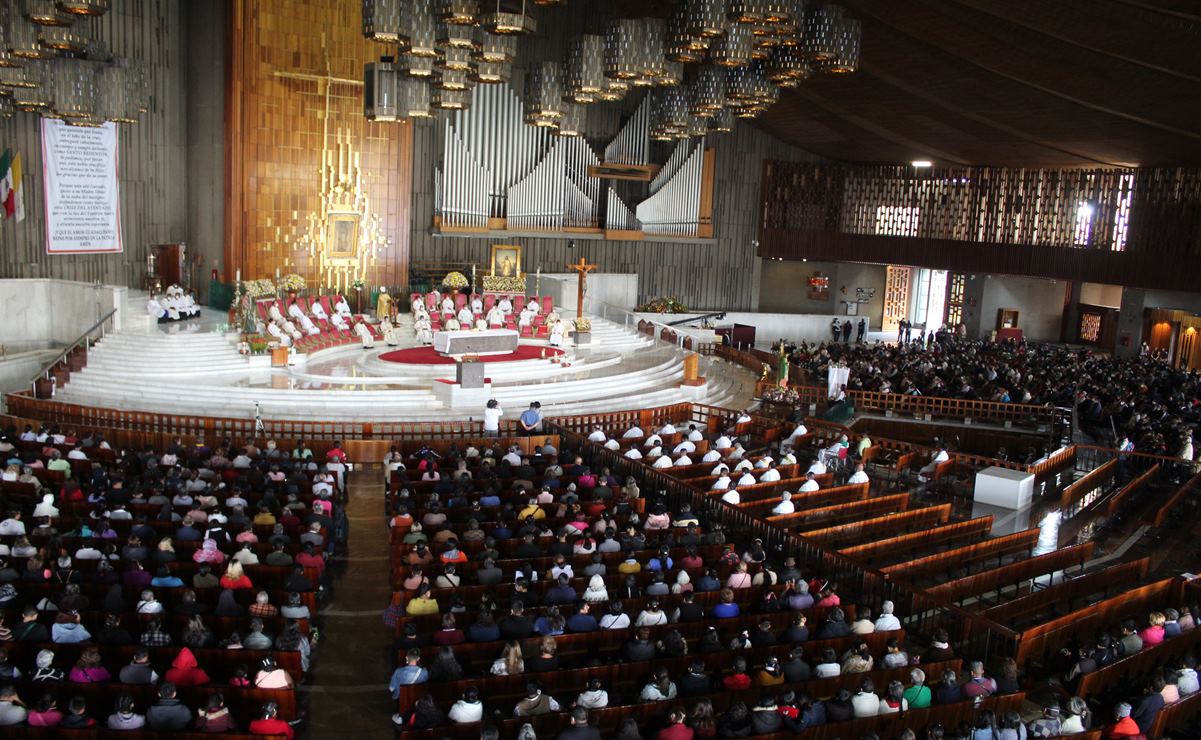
(238,275)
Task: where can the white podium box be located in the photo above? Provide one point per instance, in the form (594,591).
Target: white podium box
(1004,487)
(487,342)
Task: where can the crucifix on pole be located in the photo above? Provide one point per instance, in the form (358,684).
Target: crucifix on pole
(582,268)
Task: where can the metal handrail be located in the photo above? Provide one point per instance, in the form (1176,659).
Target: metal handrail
(85,338)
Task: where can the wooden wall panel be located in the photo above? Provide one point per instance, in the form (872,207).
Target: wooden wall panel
(278,126)
(152,153)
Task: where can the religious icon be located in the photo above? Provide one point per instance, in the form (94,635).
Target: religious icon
(506,260)
(342,234)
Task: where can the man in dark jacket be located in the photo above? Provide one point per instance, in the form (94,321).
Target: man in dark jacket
(695,682)
(168,713)
(582,620)
(580,729)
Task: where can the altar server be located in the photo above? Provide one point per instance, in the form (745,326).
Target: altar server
(448,305)
(425,334)
(477,306)
(452,324)
(389,333)
(364,335)
(496,317)
(465,316)
(556,334)
(505,305)
(156,309)
(342,307)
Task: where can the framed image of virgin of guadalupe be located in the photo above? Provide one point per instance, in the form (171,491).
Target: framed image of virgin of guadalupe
(506,260)
(342,234)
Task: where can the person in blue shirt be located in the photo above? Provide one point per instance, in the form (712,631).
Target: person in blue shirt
(661,562)
(582,620)
(409,674)
(163,578)
(708,582)
(727,609)
(531,418)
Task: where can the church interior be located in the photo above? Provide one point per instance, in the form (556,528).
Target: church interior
(581,369)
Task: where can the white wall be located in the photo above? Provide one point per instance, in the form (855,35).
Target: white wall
(784,288)
(1039,303)
(1096,294)
(42,313)
(616,289)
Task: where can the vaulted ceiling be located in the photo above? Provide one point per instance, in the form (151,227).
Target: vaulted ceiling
(1024,83)
(1009,82)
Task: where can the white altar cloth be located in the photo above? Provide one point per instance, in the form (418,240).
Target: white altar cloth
(486,342)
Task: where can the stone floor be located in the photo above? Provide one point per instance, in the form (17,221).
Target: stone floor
(348,688)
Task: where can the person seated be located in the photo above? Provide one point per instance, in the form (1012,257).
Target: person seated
(271,676)
(505,305)
(269,723)
(169,713)
(810,484)
(306,323)
(940,456)
(785,506)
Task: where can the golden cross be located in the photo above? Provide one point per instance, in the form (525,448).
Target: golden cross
(582,269)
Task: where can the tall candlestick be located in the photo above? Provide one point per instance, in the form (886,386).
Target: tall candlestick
(238,275)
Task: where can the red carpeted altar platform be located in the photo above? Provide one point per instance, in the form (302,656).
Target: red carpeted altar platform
(427,355)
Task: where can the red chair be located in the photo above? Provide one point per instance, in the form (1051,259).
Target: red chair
(430,301)
(518,303)
(460,301)
(527,331)
(548,304)
(489,302)
(325,303)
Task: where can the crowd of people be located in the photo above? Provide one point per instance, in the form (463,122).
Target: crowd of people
(1142,401)
(175,579)
(437,311)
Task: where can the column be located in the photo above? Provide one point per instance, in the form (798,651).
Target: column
(1130,323)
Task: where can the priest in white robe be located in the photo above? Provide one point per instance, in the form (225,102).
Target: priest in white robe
(306,323)
(422,326)
(280,335)
(557,330)
(389,333)
(465,316)
(342,307)
(477,306)
(156,309)
(496,317)
(505,305)
(448,305)
(418,304)
(318,310)
(479,324)
(452,324)
(364,334)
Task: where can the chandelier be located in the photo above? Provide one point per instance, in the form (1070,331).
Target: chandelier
(708,63)
(50,65)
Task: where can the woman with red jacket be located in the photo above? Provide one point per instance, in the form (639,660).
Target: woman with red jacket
(185,671)
(269,724)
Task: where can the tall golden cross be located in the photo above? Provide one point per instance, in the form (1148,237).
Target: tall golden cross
(582,268)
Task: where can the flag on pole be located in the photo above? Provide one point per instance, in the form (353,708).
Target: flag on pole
(18,191)
(6,182)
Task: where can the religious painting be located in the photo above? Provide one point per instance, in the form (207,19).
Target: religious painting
(506,260)
(342,234)
(819,287)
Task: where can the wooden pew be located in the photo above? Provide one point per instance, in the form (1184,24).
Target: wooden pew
(1017,612)
(902,547)
(1093,480)
(964,557)
(1013,574)
(827,517)
(846,535)
(1121,671)
(1127,492)
(1176,715)
(813,499)
(1041,640)
(1165,511)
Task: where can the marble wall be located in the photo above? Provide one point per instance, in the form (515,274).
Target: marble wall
(41,312)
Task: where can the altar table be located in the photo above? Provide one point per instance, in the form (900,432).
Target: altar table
(486,342)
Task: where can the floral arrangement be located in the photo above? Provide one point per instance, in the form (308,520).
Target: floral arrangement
(256,343)
(358,284)
(292,282)
(262,288)
(776,394)
(455,280)
(501,284)
(663,305)
(582,325)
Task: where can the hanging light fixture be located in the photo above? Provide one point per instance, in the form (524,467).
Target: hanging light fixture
(747,11)
(420,28)
(413,98)
(670,117)
(32,97)
(84,7)
(723,122)
(113,100)
(453,79)
(74,86)
(680,45)
(622,56)
(46,13)
(707,92)
(584,75)
(571,123)
(459,12)
(25,76)
(706,18)
(443,99)
(544,94)
(673,74)
(652,63)
(494,47)
(455,58)
(382,21)
(455,37)
(380,90)
(492,73)
(415,66)
(23,38)
(847,58)
(786,68)
(62,38)
(734,49)
(6,106)
(614,90)
(505,22)
(821,41)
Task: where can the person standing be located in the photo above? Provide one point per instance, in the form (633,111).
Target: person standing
(531,419)
(862,332)
(492,414)
(846,331)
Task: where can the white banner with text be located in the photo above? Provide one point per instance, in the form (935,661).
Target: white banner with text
(83,208)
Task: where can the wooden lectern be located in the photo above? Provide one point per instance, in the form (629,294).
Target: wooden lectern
(692,370)
(279,357)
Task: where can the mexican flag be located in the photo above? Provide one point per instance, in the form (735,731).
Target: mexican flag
(10,186)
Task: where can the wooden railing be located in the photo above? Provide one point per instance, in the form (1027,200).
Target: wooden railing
(1090,482)
(844,536)
(1063,594)
(1165,511)
(1128,491)
(962,557)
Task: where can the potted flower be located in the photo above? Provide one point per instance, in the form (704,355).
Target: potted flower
(456,281)
(583,330)
(292,283)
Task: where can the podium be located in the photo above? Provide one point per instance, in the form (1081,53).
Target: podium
(279,357)
(692,376)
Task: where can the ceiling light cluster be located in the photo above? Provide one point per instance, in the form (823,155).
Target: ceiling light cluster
(50,65)
(710,62)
